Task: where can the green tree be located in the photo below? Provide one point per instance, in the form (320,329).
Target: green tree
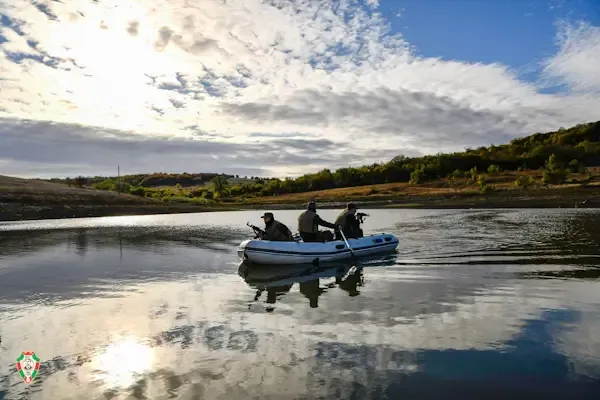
(399,159)
(219,184)
(418,175)
(554,173)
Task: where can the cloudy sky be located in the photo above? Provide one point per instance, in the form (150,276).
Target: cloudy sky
(283,87)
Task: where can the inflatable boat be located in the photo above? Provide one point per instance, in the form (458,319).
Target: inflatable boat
(265,252)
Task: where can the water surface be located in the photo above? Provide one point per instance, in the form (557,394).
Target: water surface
(475,304)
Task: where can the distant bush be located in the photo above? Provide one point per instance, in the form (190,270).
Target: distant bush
(417,176)
(485,188)
(554,177)
(123,187)
(457,174)
(473,173)
(105,185)
(493,169)
(576,167)
(524,181)
(481,180)
(81,181)
(137,191)
(554,173)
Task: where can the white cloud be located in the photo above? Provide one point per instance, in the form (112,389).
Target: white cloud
(578,61)
(240,68)
(372,3)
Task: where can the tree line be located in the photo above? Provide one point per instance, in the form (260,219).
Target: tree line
(560,152)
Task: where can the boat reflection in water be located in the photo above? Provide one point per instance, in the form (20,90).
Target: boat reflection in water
(278,280)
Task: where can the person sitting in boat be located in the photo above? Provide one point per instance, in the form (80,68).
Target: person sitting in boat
(349,223)
(275,230)
(308,225)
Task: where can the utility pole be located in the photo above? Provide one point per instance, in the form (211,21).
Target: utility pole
(118,180)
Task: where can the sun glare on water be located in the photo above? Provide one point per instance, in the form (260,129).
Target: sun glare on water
(118,365)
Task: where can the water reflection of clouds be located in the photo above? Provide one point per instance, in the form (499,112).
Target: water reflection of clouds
(423,325)
(213,336)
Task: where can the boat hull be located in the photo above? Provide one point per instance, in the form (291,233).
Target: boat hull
(269,252)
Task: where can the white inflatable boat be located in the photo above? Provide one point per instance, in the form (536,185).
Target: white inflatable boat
(269,252)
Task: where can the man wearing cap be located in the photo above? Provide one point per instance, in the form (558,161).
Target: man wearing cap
(308,225)
(275,230)
(350,225)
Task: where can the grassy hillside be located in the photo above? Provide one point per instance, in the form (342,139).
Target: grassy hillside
(547,170)
(507,189)
(35,191)
(33,198)
(557,154)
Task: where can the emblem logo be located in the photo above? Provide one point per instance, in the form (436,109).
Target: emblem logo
(28,365)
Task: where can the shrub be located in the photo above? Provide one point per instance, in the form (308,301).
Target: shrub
(81,181)
(554,177)
(473,172)
(485,188)
(554,173)
(493,169)
(524,181)
(481,180)
(137,191)
(106,184)
(417,176)
(576,167)
(457,174)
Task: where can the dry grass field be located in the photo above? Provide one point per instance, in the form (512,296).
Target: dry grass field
(37,199)
(503,185)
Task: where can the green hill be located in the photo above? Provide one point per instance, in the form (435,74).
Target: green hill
(35,198)
(573,149)
(555,169)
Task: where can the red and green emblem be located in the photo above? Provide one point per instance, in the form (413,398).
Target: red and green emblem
(28,365)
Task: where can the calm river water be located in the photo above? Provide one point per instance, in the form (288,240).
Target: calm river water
(476,304)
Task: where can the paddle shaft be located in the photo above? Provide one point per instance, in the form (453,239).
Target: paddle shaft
(346,241)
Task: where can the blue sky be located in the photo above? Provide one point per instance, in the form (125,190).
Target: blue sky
(206,85)
(517,33)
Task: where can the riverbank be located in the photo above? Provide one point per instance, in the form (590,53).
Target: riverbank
(29,199)
(22,199)
(499,191)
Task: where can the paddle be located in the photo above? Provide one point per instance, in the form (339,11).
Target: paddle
(347,244)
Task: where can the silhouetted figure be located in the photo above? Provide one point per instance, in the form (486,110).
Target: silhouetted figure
(275,230)
(349,223)
(311,290)
(351,283)
(308,225)
(273,292)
